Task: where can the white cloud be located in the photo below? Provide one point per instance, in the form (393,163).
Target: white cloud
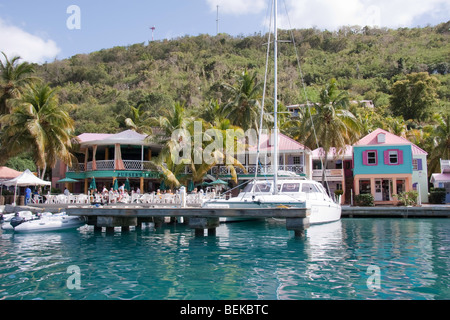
(332,14)
(15,41)
(238,7)
(382,13)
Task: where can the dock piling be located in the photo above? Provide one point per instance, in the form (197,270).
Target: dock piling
(298,225)
(202,223)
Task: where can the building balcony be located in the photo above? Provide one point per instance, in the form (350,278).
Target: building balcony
(108,165)
(224,171)
(251,169)
(331,174)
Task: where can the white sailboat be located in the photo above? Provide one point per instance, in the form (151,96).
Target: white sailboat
(286,190)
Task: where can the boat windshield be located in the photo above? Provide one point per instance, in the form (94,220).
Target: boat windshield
(263,187)
(258,187)
(291,187)
(309,188)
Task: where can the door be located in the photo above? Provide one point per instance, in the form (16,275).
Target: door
(386,186)
(378,190)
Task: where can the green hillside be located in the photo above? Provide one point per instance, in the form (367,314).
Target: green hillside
(104,85)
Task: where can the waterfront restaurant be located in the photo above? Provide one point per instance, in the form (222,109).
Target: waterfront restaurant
(127,155)
(107,157)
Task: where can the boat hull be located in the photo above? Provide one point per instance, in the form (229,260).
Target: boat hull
(320,212)
(47,224)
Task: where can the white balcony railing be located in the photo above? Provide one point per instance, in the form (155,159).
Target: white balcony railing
(251,169)
(137,165)
(329,173)
(108,165)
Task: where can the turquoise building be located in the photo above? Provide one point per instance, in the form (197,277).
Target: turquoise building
(385,165)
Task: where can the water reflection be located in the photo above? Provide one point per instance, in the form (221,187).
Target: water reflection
(243,261)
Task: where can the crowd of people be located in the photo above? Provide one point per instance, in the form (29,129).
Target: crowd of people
(123,195)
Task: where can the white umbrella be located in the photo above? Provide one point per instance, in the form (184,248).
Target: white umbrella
(27,178)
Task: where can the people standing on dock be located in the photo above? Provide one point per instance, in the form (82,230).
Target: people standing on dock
(27,195)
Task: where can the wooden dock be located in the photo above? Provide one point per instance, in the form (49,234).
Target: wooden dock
(199,219)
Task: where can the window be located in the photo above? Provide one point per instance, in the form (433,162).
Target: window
(308,188)
(317,165)
(263,187)
(291,187)
(417,164)
(364,187)
(393,157)
(370,158)
(297,160)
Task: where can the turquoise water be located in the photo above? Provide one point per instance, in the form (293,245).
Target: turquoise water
(350,259)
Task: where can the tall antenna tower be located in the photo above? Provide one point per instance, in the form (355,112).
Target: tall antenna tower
(217,21)
(153,32)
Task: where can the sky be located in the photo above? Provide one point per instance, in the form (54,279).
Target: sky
(44,30)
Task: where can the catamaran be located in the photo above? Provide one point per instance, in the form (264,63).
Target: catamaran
(286,190)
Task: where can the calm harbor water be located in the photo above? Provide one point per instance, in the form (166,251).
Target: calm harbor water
(349,259)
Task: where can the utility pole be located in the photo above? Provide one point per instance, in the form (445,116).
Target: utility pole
(217,21)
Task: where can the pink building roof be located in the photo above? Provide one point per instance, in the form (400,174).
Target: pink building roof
(318,153)
(285,144)
(390,139)
(88,137)
(8,173)
(440,177)
(129,137)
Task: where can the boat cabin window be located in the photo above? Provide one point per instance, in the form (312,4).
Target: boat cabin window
(321,189)
(291,187)
(309,188)
(263,187)
(248,187)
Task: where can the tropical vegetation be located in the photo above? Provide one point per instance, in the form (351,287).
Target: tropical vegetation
(163,86)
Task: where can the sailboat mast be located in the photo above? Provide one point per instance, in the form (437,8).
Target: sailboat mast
(275,94)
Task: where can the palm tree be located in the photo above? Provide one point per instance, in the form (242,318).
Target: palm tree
(14,77)
(174,121)
(244,108)
(38,123)
(139,121)
(440,142)
(328,124)
(177,130)
(231,137)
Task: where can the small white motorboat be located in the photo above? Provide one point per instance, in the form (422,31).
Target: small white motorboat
(46,222)
(16,218)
